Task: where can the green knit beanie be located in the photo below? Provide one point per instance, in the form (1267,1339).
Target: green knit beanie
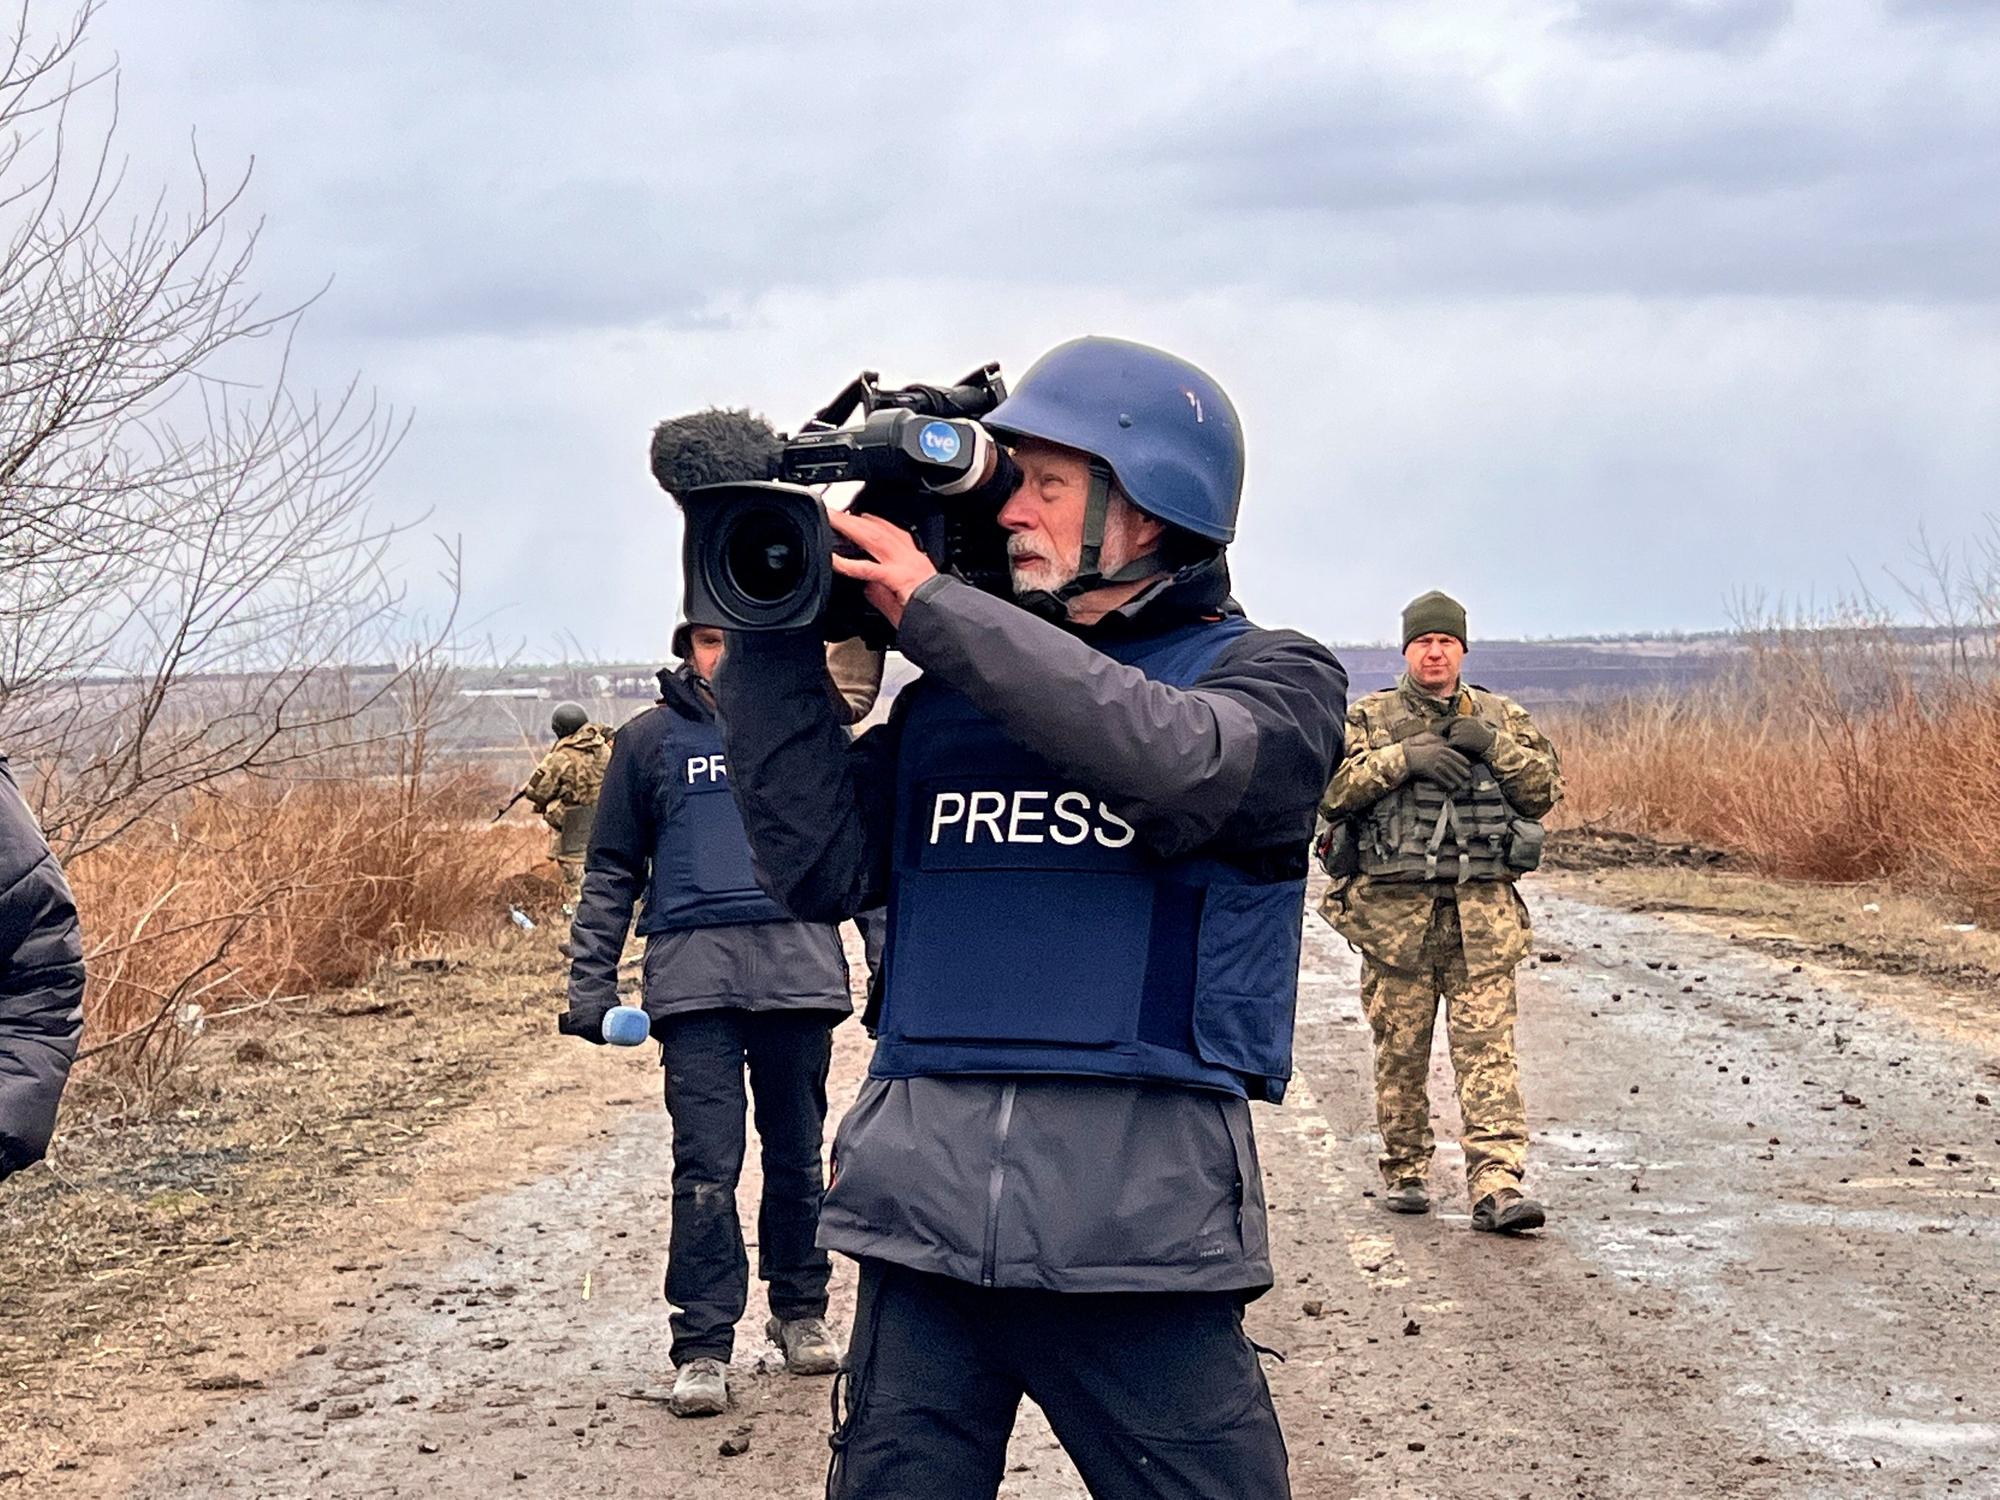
(1434,613)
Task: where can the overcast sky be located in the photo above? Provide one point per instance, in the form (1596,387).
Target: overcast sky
(1594,312)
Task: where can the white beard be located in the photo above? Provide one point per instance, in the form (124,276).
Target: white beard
(1050,576)
(1040,575)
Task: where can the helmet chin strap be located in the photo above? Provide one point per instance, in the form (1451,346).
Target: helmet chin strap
(1054,603)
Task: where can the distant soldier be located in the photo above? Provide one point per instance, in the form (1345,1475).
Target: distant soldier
(564,791)
(1432,816)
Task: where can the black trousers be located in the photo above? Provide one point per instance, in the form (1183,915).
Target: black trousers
(1152,1394)
(708,1273)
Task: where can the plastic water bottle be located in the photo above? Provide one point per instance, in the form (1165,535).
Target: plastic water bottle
(626,1026)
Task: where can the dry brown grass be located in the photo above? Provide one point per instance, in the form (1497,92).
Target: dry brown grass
(1837,756)
(258,892)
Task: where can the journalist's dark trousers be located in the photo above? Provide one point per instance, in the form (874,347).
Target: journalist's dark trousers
(1153,1394)
(708,1274)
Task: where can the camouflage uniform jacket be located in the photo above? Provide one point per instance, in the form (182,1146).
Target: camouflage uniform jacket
(1386,920)
(856,670)
(571,774)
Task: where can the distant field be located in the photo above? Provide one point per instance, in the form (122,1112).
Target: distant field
(1546,673)
(1537,673)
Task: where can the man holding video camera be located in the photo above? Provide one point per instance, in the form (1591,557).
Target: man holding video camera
(1089,819)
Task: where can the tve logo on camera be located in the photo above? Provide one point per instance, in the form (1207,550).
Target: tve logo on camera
(939,441)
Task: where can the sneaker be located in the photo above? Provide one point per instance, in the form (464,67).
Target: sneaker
(1410,1196)
(701,1389)
(807,1343)
(1507,1212)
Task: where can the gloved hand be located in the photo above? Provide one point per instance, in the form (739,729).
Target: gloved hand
(1470,737)
(588,1024)
(1431,759)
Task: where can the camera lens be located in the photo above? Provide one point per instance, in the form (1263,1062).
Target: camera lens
(756,556)
(764,557)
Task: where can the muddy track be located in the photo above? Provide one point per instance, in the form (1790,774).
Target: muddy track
(1774,1269)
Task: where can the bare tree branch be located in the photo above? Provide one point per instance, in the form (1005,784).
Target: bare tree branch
(189,570)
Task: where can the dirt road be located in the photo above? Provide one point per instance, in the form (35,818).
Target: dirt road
(1773,1269)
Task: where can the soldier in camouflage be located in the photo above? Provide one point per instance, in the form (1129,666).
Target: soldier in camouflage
(1431,816)
(563,789)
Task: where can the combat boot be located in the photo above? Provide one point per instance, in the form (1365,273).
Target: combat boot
(1410,1196)
(1507,1211)
(701,1389)
(807,1343)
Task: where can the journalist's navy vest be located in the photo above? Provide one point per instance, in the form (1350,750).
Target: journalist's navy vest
(702,875)
(1029,932)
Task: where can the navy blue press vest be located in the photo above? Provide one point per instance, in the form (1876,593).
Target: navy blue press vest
(702,875)
(1030,933)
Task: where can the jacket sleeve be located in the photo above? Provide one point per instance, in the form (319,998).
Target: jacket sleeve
(541,783)
(1365,775)
(855,669)
(819,807)
(616,868)
(1241,755)
(41,983)
(1525,764)
(567,785)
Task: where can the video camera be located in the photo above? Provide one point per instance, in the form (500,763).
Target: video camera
(756,547)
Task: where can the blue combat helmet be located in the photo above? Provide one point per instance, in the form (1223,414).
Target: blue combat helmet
(1162,428)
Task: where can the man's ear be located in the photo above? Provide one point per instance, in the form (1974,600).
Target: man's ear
(1146,530)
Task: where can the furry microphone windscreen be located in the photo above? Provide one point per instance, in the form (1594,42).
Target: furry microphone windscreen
(718,446)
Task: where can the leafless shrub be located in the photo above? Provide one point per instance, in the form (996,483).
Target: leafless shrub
(187,561)
(208,677)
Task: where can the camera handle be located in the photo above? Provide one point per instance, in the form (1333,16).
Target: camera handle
(977,394)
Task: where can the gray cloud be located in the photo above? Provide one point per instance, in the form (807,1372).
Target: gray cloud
(1958,12)
(1676,179)
(640,172)
(1690,25)
(1314,147)
(1646,300)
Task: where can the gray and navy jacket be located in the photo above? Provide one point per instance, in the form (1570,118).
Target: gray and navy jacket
(1066,1183)
(669,842)
(41,982)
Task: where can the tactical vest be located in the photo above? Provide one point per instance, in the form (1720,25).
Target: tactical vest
(573,838)
(702,873)
(1417,832)
(1030,933)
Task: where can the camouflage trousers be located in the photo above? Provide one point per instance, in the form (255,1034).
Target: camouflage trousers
(572,883)
(1479,1027)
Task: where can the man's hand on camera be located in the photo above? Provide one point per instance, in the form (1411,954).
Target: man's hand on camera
(895,565)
